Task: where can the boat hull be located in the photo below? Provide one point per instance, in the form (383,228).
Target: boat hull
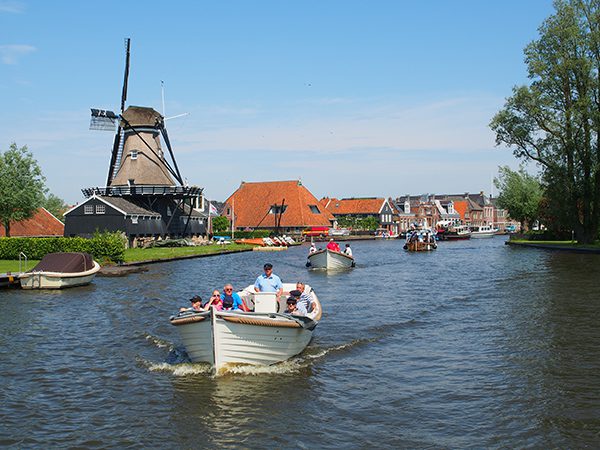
(57,280)
(420,246)
(482,234)
(328,259)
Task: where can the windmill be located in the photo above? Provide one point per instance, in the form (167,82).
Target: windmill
(144,124)
(141,174)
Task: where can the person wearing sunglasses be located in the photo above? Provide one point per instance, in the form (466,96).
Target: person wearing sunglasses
(196,302)
(292,307)
(215,300)
(232,300)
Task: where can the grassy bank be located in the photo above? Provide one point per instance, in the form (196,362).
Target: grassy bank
(133,255)
(562,245)
(13,266)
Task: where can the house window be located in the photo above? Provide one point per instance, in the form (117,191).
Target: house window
(100,209)
(133,154)
(314,209)
(134,219)
(88,209)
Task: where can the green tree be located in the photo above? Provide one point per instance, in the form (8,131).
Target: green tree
(22,185)
(520,194)
(55,205)
(555,120)
(368,223)
(220,224)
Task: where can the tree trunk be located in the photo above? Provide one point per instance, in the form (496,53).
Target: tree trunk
(7,229)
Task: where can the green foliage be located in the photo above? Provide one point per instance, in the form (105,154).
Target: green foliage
(520,194)
(56,206)
(104,247)
(21,185)
(219,224)
(555,120)
(369,223)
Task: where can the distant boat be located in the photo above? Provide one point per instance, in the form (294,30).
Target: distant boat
(261,338)
(454,233)
(60,270)
(483,231)
(420,240)
(329,259)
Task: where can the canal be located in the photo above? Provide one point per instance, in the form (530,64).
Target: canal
(477,344)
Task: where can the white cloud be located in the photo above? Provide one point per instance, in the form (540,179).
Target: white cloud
(9,54)
(11,7)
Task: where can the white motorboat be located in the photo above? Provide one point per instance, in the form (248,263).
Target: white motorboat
(483,231)
(329,259)
(263,337)
(60,270)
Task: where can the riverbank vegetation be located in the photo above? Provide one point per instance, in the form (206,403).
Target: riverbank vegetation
(133,255)
(554,121)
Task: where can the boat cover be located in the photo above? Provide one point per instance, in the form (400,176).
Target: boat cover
(70,262)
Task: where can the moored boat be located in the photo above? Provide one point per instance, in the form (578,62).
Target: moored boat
(263,337)
(60,270)
(483,231)
(329,259)
(454,233)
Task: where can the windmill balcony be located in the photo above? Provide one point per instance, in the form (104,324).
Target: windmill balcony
(143,190)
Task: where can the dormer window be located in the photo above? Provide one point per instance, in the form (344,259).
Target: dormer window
(314,209)
(134,154)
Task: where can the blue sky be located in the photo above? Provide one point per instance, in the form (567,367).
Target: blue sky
(355,98)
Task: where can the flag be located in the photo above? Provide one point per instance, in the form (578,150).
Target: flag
(212,210)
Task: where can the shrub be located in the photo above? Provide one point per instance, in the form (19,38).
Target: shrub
(104,247)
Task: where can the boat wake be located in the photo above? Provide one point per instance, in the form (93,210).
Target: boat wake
(158,342)
(181,370)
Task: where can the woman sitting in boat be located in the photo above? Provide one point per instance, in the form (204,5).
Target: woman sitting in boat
(215,300)
(232,300)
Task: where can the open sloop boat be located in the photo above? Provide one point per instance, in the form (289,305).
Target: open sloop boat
(263,337)
(329,259)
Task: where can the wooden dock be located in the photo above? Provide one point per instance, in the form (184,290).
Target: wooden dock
(9,279)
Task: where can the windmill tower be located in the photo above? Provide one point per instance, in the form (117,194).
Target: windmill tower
(143,183)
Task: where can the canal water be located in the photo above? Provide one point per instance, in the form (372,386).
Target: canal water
(475,345)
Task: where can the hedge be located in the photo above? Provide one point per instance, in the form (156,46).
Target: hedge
(104,247)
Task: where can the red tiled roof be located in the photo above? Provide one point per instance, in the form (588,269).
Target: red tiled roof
(252,202)
(42,224)
(460,206)
(355,206)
